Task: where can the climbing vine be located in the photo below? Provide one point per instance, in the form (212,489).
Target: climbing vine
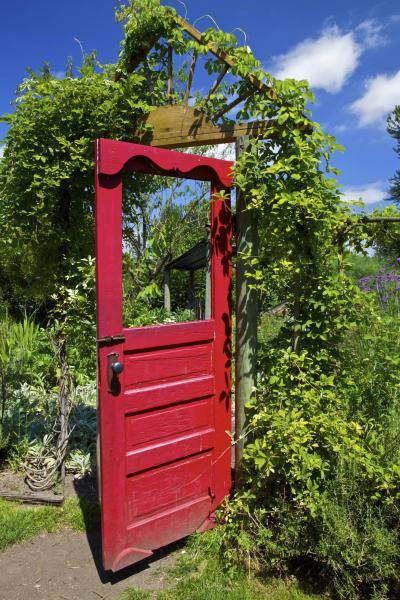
(308,453)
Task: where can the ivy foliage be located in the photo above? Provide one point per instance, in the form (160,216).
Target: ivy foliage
(46,174)
(312,459)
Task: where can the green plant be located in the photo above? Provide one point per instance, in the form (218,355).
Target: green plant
(18,522)
(201,574)
(30,414)
(21,359)
(312,423)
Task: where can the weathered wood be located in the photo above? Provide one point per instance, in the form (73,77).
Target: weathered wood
(217,82)
(232,104)
(222,55)
(32,499)
(190,77)
(180,126)
(192,292)
(246,317)
(170,74)
(134,61)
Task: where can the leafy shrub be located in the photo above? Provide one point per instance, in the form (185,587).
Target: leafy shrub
(25,356)
(323,456)
(30,415)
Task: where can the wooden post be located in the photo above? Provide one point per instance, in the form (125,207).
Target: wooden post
(167,291)
(192,293)
(246,317)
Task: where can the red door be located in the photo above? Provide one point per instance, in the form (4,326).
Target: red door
(163,391)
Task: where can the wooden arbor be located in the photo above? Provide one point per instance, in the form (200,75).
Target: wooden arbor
(180,125)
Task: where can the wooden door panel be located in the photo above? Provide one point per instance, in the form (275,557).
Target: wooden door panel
(174,448)
(168,486)
(156,336)
(164,447)
(171,393)
(164,365)
(160,424)
(170,524)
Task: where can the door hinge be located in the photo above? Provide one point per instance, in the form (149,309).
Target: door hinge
(111,339)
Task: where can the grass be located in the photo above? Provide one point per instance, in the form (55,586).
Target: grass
(19,522)
(135,594)
(200,574)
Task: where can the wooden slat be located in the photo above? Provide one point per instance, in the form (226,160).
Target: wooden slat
(160,366)
(217,82)
(170,74)
(174,334)
(134,61)
(174,448)
(167,487)
(222,55)
(171,393)
(234,103)
(224,135)
(190,77)
(180,126)
(32,499)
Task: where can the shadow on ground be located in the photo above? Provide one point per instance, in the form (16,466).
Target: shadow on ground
(86,491)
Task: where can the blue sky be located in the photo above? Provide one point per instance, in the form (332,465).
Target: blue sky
(348,49)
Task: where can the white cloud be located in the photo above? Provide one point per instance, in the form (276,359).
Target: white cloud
(381,95)
(372,34)
(328,61)
(370,193)
(1,151)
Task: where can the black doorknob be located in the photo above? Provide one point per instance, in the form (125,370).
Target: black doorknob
(117,368)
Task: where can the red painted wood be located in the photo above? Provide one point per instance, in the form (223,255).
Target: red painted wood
(113,157)
(165,454)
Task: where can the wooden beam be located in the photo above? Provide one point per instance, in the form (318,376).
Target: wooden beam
(147,45)
(378,220)
(246,317)
(190,77)
(32,498)
(234,103)
(170,74)
(181,126)
(217,82)
(134,61)
(222,55)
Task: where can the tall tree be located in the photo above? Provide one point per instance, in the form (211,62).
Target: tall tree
(393,128)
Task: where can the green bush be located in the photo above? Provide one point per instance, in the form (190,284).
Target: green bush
(323,457)
(25,356)
(31,414)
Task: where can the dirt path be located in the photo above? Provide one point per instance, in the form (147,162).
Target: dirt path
(67,566)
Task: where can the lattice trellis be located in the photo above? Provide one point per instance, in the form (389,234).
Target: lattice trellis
(178,124)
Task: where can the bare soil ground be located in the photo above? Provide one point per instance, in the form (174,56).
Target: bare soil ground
(67,566)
